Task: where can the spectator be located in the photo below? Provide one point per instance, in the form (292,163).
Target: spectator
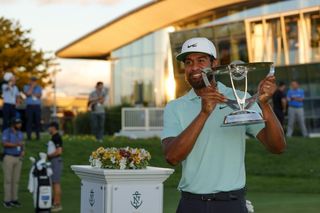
(295,97)
(33,91)
(280,102)
(96,106)
(54,155)
(10,95)
(12,141)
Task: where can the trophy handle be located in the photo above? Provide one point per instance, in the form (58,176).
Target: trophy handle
(205,72)
(250,101)
(233,104)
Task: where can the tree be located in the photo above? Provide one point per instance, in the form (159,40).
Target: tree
(18,55)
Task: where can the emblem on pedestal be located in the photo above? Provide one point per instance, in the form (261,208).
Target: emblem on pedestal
(136,202)
(91,198)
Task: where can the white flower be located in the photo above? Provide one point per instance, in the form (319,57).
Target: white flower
(134,151)
(96,163)
(123,163)
(131,165)
(113,159)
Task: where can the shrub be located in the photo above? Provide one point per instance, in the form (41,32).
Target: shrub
(112,122)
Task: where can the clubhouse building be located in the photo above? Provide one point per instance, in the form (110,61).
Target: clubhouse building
(142,44)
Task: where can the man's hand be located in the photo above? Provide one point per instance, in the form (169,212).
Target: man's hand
(33,84)
(267,88)
(271,136)
(22,154)
(210,97)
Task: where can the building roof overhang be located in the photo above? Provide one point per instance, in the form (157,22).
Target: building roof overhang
(131,26)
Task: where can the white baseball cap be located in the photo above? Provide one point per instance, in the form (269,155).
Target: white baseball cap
(197,45)
(7,76)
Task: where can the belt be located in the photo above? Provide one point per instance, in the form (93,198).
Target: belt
(58,156)
(11,155)
(296,107)
(220,196)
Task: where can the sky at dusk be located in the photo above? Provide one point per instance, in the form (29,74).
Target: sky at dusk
(56,23)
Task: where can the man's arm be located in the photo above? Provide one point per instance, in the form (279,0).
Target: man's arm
(57,152)
(38,94)
(284,104)
(272,135)
(28,89)
(92,97)
(11,145)
(300,99)
(176,149)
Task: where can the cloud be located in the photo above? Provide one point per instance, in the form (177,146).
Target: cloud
(81,2)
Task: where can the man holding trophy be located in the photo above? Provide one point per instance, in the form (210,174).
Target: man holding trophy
(205,130)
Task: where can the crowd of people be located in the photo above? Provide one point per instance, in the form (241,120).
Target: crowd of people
(290,103)
(13,140)
(13,98)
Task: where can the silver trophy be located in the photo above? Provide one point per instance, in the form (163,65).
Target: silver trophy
(238,72)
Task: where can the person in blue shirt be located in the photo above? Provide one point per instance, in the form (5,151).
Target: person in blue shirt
(295,97)
(33,91)
(212,156)
(13,150)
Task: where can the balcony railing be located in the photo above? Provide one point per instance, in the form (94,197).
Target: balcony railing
(142,119)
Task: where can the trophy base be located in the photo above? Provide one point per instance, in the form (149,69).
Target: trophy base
(242,117)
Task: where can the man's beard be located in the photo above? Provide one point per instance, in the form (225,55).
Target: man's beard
(16,127)
(200,83)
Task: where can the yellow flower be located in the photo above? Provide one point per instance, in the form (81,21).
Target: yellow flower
(136,159)
(118,156)
(106,155)
(94,155)
(100,150)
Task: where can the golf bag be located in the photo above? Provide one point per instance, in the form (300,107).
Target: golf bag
(40,184)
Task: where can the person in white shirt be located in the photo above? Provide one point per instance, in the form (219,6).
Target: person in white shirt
(10,94)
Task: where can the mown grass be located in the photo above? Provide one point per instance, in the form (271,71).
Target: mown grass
(284,183)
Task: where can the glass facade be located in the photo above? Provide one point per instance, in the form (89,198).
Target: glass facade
(138,71)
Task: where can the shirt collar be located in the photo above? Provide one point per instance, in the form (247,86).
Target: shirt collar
(191,95)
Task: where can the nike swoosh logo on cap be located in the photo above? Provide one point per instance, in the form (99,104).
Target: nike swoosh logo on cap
(222,107)
(192,45)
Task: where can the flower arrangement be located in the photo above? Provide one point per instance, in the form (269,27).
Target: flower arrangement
(120,158)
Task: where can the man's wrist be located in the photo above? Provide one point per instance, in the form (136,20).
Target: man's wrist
(264,105)
(204,114)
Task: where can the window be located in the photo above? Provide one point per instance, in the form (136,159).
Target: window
(285,39)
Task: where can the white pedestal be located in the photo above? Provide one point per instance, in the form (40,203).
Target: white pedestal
(121,191)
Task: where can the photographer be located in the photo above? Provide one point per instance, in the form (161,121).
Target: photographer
(96,106)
